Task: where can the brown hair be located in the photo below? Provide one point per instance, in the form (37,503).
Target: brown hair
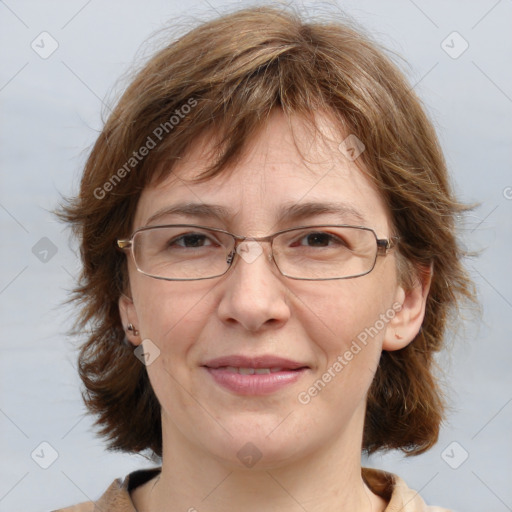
(225,76)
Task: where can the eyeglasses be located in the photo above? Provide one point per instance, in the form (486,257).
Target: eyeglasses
(187,252)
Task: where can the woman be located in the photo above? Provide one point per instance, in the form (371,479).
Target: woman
(270,262)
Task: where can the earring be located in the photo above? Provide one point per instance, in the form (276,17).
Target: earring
(132,329)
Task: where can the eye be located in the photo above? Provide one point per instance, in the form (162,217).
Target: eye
(191,240)
(321,239)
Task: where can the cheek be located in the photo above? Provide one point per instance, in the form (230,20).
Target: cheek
(339,311)
(346,320)
(335,395)
(171,314)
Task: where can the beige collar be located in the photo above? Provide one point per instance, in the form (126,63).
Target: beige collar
(390,487)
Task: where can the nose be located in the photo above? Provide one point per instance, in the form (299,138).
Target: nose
(254,294)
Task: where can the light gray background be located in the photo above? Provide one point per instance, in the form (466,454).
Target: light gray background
(50,116)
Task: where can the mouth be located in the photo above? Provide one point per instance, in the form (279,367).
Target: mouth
(253,371)
(263,362)
(254,375)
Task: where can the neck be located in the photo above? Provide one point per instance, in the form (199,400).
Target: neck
(329,478)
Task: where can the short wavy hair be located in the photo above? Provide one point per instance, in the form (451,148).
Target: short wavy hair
(224,77)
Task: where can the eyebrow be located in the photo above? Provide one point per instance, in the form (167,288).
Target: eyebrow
(288,212)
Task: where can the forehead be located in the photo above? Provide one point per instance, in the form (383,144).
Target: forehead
(286,166)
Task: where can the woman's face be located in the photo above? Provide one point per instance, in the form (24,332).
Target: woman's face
(334,330)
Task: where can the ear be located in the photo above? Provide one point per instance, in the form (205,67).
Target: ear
(406,323)
(129,316)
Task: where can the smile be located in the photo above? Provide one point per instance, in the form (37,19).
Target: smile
(252,371)
(254,375)
(263,375)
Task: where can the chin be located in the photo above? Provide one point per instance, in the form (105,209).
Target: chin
(259,445)
(256,454)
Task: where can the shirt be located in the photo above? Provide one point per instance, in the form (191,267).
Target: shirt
(388,486)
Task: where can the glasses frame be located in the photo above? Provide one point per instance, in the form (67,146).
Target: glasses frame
(384,245)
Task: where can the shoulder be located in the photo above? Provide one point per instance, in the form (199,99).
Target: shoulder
(117,497)
(394,490)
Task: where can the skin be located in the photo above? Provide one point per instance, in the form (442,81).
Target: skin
(310,454)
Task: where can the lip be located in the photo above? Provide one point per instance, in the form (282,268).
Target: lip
(264,361)
(256,384)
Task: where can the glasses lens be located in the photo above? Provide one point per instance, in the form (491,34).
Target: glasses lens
(325,252)
(319,252)
(182,252)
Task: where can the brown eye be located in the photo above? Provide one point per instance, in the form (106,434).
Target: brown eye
(320,239)
(191,240)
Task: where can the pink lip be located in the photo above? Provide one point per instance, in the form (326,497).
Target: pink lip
(255,384)
(254,362)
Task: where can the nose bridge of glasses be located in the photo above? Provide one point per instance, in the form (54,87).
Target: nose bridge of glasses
(249,248)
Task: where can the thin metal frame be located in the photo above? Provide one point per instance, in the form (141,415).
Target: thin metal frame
(383,246)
